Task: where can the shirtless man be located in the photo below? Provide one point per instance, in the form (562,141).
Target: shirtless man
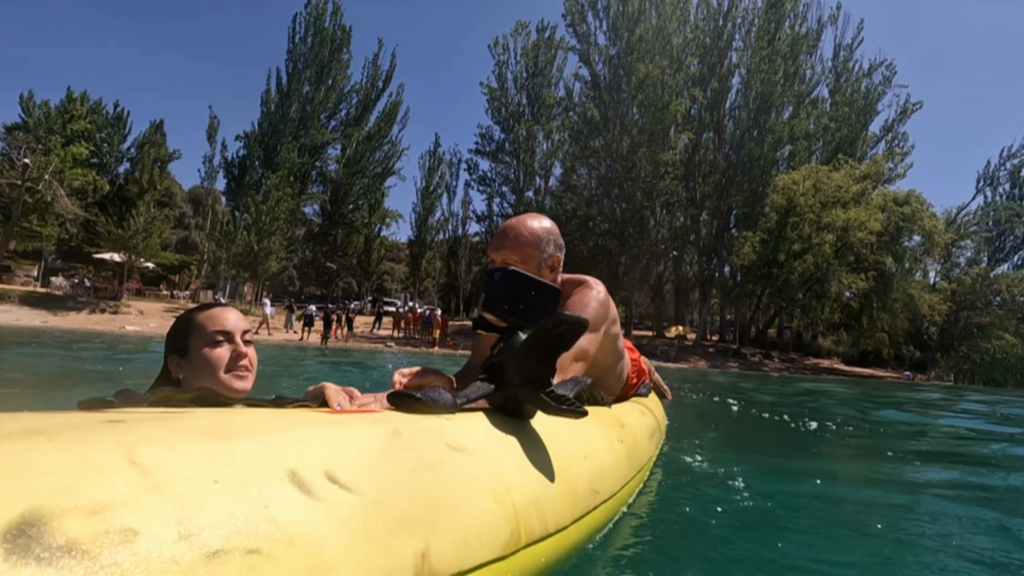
(532,243)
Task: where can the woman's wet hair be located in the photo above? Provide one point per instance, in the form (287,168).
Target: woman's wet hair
(176,343)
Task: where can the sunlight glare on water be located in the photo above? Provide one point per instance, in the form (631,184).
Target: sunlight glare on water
(760,474)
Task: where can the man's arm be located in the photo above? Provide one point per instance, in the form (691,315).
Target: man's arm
(479,351)
(593,303)
(419,377)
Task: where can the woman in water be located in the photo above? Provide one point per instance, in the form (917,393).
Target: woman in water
(211,346)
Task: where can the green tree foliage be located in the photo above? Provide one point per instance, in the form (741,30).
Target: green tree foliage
(75,151)
(733,166)
(621,129)
(425,219)
(205,215)
(738,161)
(322,153)
(460,247)
(514,158)
(138,215)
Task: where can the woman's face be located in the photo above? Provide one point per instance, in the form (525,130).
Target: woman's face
(221,354)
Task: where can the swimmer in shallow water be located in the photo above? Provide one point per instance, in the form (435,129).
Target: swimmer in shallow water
(211,346)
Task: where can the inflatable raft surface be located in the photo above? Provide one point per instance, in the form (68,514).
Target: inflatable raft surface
(305,491)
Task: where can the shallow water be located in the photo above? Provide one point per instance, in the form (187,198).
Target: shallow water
(760,474)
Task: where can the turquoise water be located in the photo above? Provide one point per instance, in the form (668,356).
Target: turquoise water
(760,474)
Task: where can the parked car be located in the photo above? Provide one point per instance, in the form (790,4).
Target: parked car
(390,305)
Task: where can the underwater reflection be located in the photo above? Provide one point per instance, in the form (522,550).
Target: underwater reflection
(609,553)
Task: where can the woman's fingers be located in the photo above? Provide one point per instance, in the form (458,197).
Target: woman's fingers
(376,401)
(336,397)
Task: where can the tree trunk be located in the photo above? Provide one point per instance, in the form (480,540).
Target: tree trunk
(203,263)
(659,315)
(257,291)
(726,326)
(679,303)
(723,306)
(7,236)
(762,330)
(743,334)
(704,299)
(680,294)
(658,305)
(42,268)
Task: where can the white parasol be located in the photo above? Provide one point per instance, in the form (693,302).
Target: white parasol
(121,258)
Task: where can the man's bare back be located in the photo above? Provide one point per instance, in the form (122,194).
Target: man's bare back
(603,359)
(599,354)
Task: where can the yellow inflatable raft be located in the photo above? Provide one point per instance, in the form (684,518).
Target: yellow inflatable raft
(303,491)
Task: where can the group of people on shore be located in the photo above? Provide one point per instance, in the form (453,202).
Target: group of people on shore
(337,322)
(430,325)
(211,345)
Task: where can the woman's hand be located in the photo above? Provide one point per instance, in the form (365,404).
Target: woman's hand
(336,397)
(418,378)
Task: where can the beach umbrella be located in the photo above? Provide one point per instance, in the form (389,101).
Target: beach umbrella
(110,257)
(121,259)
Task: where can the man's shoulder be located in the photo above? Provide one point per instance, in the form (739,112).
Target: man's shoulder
(583,284)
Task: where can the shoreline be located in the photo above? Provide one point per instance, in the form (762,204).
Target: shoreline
(37,308)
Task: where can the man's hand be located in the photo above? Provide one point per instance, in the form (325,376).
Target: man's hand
(661,389)
(337,397)
(418,378)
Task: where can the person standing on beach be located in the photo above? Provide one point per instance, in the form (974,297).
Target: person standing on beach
(289,316)
(445,319)
(435,325)
(416,323)
(396,322)
(328,323)
(350,320)
(426,324)
(378,317)
(267,311)
(308,322)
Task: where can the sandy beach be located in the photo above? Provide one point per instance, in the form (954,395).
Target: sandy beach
(28,307)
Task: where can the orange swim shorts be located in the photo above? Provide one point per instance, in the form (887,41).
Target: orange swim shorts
(638,373)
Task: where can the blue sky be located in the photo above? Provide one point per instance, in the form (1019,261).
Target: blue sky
(171,59)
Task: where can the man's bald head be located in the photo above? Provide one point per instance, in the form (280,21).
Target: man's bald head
(530,242)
